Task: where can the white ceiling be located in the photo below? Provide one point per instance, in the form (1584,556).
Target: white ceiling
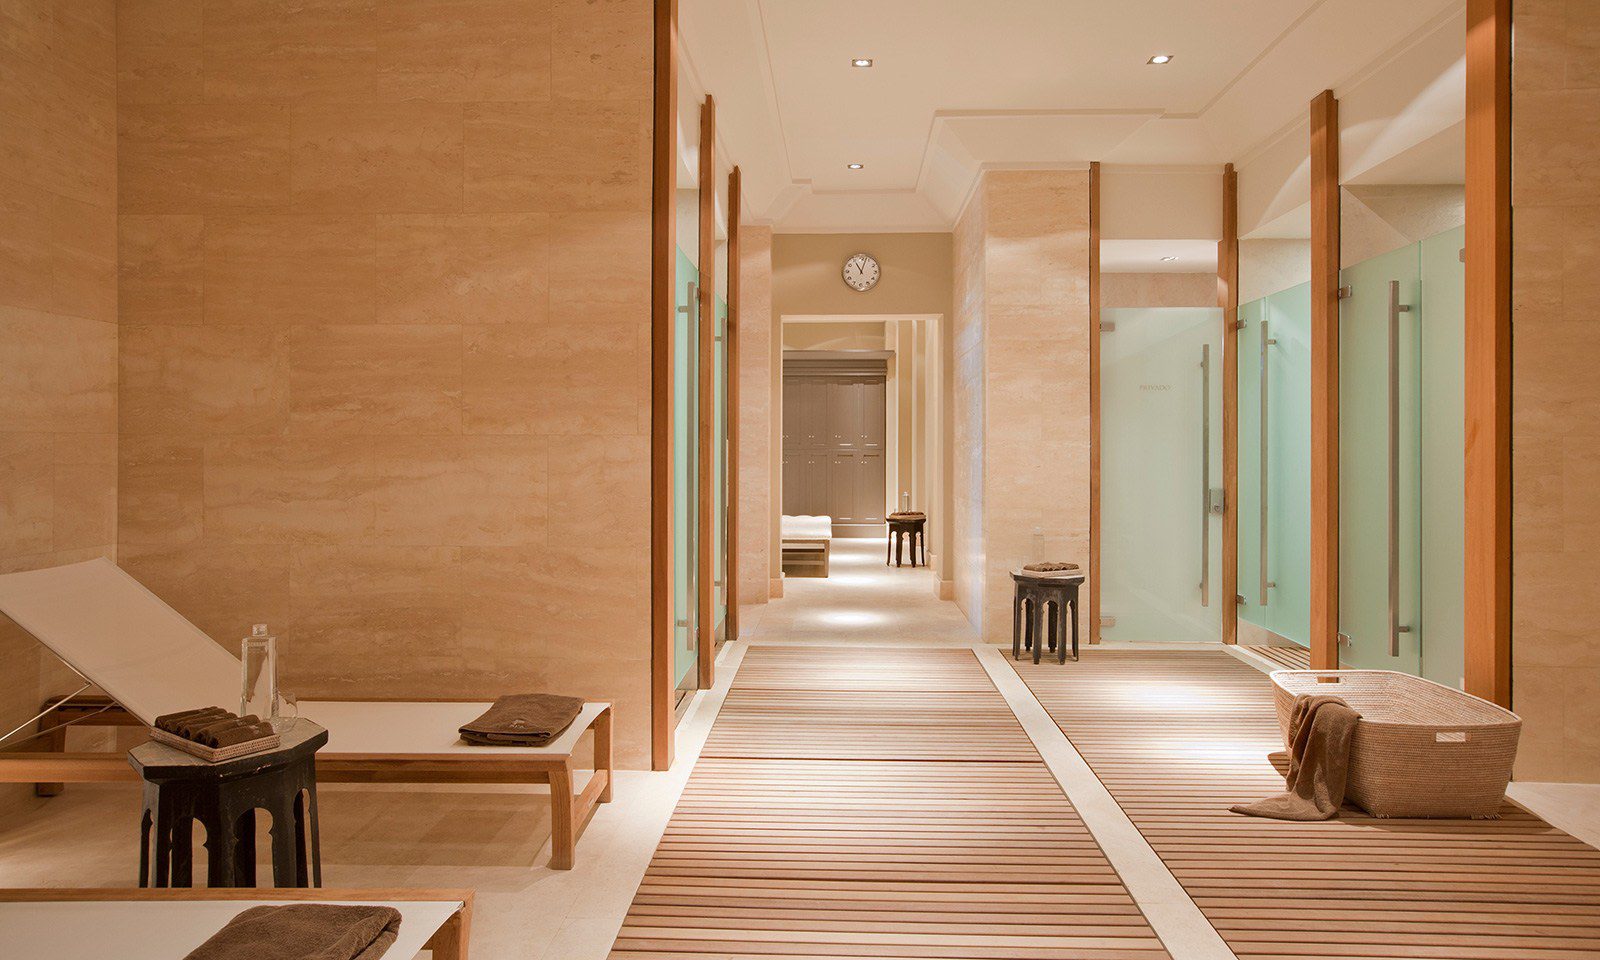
(959,86)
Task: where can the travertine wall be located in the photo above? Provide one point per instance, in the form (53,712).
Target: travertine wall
(757,338)
(1158,290)
(385,365)
(967,405)
(1555,444)
(1036,358)
(58,310)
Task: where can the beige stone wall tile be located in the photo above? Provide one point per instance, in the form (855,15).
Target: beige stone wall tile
(160,269)
(224,589)
(160,490)
(61,373)
(378,158)
(60,129)
(298,269)
(199,158)
(84,494)
(498,495)
(558,156)
(442,50)
(180,380)
(57,254)
(360,612)
(504,385)
(466,268)
(600,53)
(160,74)
(601,258)
(375,378)
(27,494)
(1557,145)
(264,51)
(160,22)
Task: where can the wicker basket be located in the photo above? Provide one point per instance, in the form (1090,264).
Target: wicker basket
(1421,749)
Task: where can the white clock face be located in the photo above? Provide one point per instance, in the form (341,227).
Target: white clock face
(861,272)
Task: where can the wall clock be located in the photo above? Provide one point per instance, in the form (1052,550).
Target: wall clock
(861,272)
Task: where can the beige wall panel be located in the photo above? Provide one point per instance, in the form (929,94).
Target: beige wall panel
(758,466)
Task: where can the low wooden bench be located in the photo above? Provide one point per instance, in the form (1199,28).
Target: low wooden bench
(806,558)
(135,924)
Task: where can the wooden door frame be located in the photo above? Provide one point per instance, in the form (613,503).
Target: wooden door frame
(705,543)
(1228,300)
(1094,403)
(1324,381)
(1487,537)
(663,289)
(731,529)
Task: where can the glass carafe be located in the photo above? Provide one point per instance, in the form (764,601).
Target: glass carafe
(258,659)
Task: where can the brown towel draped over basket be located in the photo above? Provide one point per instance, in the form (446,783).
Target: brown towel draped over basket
(523,720)
(304,931)
(1320,732)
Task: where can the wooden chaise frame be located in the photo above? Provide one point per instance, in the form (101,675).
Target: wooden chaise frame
(448,942)
(82,602)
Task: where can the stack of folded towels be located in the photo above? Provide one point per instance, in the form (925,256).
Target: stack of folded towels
(523,720)
(214,727)
(908,515)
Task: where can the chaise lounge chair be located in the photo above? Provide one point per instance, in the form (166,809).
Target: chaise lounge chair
(150,661)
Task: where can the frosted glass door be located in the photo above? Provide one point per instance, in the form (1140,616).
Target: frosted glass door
(1274,444)
(1444,508)
(1380,493)
(1161,456)
(685,403)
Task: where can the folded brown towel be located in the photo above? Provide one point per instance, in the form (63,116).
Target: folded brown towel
(169,722)
(1049,567)
(1320,730)
(523,720)
(229,734)
(304,931)
(188,728)
(908,515)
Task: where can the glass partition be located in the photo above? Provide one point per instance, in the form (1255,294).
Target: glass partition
(685,391)
(1161,473)
(719,440)
(1274,456)
(1402,435)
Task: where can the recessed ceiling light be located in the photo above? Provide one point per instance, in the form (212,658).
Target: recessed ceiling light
(854,166)
(1160,58)
(861,62)
(1168,259)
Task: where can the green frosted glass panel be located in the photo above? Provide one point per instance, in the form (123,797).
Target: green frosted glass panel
(1443,364)
(1274,343)
(720,468)
(685,467)
(1160,418)
(1369,360)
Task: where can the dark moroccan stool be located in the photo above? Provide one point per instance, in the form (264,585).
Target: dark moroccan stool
(907,528)
(1045,605)
(224,797)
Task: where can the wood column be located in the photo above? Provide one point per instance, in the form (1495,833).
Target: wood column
(735,185)
(663,152)
(1228,300)
(1325,382)
(706,629)
(1094,403)
(1487,614)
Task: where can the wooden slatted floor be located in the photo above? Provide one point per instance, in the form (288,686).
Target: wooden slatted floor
(876,803)
(1292,658)
(1177,737)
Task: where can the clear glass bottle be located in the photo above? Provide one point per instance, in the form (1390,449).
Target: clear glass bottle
(258,659)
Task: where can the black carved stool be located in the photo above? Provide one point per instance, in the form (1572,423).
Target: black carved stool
(1044,609)
(224,797)
(907,528)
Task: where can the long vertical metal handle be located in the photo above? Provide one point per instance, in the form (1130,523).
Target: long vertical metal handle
(1395,309)
(1205,475)
(1265,380)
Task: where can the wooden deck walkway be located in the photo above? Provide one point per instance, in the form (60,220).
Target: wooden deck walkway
(876,803)
(1179,736)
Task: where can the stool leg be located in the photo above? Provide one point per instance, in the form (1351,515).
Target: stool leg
(163,847)
(1074,631)
(244,848)
(1036,627)
(222,849)
(316,834)
(283,834)
(1016,627)
(302,849)
(183,852)
(144,842)
(888,549)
